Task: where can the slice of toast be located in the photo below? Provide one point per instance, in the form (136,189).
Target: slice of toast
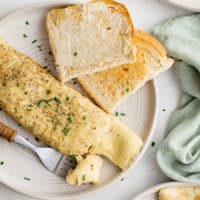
(91,37)
(108,87)
(179,193)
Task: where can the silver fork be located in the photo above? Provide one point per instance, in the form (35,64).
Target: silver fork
(51,159)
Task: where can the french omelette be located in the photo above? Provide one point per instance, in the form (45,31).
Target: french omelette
(90,37)
(111,86)
(180,193)
(87,170)
(60,116)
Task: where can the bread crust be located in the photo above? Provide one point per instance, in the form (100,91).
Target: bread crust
(116,5)
(142,40)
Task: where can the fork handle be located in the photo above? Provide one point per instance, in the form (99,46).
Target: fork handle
(7,133)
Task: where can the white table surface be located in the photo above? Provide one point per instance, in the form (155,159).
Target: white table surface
(146,173)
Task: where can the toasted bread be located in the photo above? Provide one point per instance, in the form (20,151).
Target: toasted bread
(180,193)
(108,87)
(91,37)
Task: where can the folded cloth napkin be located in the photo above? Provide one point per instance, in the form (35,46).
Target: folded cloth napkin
(179,153)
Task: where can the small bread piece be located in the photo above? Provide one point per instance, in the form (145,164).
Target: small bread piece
(108,87)
(180,193)
(90,37)
(59,115)
(86,171)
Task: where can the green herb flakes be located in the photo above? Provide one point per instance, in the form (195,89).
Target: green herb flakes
(123,114)
(121,179)
(24,35)
(163,110)
(27,23)
(25,93)
(2,163)
(15,110)
(67,98)
(48,92)
(76,53)
(66,131)
(34,41)
(27,179)
(116,114)
(69,119)
(127,89)
(84,177)
(153,144)
(4,84)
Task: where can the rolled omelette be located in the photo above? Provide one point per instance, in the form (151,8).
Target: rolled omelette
(60,116)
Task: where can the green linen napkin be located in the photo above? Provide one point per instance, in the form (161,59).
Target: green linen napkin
(179,153)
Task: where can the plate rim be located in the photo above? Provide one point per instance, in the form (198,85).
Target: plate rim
(160,186)
(183,5)
(150,132)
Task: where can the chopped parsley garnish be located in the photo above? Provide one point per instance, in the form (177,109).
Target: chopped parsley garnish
(163,110)
(42,101)
(27,179)
(48,92)
(67,98)
(57,100)
(45,67)
(84,117)
(66,131)
(83,177)
(69,119)
(24,35)
(123,114)
(127,89)
(153,144)
(15,110)
(47,101)
(17,84)
(28,109)
(76,53)
(116,113)
(27,22)
(57,65)
(47,81)
(30,105)
(2,163)
(39,46)
(121,179)
(25,93)
(4,84)
(34,41)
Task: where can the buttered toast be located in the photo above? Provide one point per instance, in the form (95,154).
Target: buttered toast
(91,37)
(109,87)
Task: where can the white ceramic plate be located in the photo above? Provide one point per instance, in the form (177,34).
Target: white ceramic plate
(140,110)
(152,193)
(193,5)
